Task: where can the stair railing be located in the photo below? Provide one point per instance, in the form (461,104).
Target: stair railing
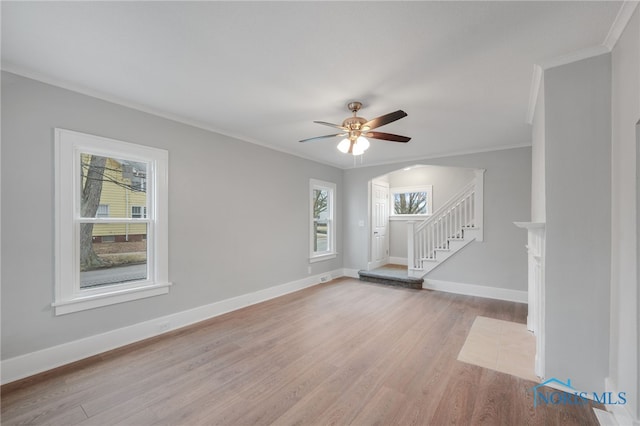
(462,211)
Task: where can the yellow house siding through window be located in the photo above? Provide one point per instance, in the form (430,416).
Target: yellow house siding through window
(120,199)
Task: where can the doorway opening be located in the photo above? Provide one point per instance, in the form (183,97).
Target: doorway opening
(408,195)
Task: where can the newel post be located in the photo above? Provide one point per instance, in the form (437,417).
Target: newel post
(479,203)
(410,253)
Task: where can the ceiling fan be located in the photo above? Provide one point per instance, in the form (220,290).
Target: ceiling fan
(355,129)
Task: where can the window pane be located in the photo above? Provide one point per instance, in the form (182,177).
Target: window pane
(112,253)
(110,186)
(410,203)
(320,233)
(320,204)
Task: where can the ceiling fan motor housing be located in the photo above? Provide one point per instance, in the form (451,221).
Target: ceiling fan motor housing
(354,124)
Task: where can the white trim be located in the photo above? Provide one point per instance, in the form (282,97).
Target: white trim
(604,418)
(69,295)
(534,91)
(619,24)
(331,188)
(539,69)
(398,260)
(621,413)
(322,257)
(617,27)
(351,273)
(409,217)
(36,362)
(567,389)
(441,155)
(579,55)
(510,295)
(91,301)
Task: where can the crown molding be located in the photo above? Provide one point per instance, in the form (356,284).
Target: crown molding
(83,90)
(536,82)
(617,27)
(539,69)
(579,55)
(620,23)
(441,155)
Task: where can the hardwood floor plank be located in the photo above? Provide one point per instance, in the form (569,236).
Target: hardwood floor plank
(343,352)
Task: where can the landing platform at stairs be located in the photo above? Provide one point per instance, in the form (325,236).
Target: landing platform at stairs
(395,275)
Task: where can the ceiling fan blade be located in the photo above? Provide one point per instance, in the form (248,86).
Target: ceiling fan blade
(323,137)
(337,126)
(387,137)
(384,119)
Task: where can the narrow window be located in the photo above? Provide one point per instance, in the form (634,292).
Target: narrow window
(322,220)
(108,192)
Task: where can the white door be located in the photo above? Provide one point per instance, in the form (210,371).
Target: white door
(379,224)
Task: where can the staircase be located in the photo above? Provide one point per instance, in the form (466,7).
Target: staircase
(449,229)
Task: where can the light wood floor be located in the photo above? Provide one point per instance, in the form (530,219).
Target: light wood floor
(344,352)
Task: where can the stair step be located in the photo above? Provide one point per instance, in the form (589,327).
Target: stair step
(396,280)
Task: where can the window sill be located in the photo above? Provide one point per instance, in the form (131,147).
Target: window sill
(84,302)
(410,217)
(322,257)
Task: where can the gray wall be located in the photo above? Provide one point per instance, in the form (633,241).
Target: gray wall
(578,217)
(500,261)
(238,214)
(624,359)
(446,181)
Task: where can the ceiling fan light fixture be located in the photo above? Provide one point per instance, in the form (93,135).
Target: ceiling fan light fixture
(343,146)
(360,145)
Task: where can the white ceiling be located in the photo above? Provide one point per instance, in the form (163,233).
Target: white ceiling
(263,71)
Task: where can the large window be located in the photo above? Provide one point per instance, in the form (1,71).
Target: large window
(322,220)
(411,202)
(111,222)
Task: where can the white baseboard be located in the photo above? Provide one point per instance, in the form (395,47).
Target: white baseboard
(621,413)
(398,260)
(519,296)
(351,273)
(46,359)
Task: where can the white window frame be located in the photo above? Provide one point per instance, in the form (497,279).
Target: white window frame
(69,297)
(330,253)
(405,189)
